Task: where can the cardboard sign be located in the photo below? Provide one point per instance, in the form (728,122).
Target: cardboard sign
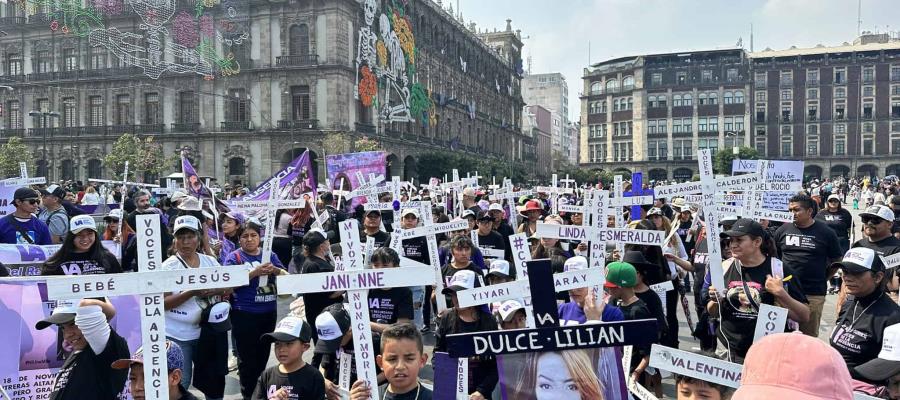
(677,190)
(354,280)
(619,235)
(891,261)
(575,279)
(631,201)
(737,182)
(492,294)
(717,274)
(771,319)
(571,208)
(696,366)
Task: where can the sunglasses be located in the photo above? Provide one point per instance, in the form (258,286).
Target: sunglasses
(32,201)
(874,220)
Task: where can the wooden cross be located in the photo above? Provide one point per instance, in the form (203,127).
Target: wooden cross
(150,283)
(356,280)
(23,179)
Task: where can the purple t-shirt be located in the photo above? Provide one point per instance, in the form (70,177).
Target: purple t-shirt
(10,228)
(571,314)
(253,298)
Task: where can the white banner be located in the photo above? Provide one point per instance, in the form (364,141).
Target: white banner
(677,190)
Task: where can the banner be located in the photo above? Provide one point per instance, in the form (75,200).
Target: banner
(192,182)
(788,172)
(342,168)
(295,179)
(27,259)
(6,200)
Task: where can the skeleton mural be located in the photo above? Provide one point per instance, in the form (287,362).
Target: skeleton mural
(385,66)
(185,44)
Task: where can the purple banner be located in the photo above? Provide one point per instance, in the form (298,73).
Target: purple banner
(342,170)
(194,185)
(294,180)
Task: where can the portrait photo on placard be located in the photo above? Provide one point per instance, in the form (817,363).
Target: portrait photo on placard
(571,374)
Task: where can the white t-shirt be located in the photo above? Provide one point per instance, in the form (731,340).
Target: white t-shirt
(183,322)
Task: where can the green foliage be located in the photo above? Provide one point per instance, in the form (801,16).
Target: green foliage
(723,159)
(366,144)
(142,155)
(336,143)
(437,165)
(11,154)
(584,175)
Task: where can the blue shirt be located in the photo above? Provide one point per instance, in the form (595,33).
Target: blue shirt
(571,314)
(253,298)
(11,226)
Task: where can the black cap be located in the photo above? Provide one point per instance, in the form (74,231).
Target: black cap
(331,326)
(744,226)
(313,238)
(485,216)
(24,193)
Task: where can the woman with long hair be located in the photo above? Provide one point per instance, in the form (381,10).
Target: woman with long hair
(753,276)
(553,375)
(82,252)
(112,220)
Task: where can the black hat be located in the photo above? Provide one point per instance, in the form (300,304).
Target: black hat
(744,226)
(314,238)
(24,193)
(331,325)
(484,216)
(637,259)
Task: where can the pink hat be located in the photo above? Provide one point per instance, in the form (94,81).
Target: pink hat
(796,367)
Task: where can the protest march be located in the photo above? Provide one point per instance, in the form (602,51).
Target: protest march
(500,290)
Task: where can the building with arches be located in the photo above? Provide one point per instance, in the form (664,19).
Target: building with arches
(297,84)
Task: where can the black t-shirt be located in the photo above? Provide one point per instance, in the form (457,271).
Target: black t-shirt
(84,264)
(492,240)
(635,311)
(381,238)
(896,227)
(738,323)
(416,249)
(304,383)
(839,221)
(655,306)
(86,375)
(483,375)
(418,393)
(859,329)
(316,302)
(388,305)
(331,363)
(808,253)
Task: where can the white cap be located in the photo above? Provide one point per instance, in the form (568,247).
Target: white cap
(575,263)
(467,213)
(190,204)
(79,223)
(115,213)
(461,280)
(508,309)
(408,211)
(890,344)
(499,267)
(178,195)
(187,221)
(860,259)
(469,191)
(495,207)
(834,197)
(288,329)
(879,211)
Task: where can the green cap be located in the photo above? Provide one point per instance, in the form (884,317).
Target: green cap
(620,274)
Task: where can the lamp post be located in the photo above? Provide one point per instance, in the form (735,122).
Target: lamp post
(45,116)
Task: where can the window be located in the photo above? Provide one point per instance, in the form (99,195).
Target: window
(123,110)
(895,90)
(687,124)
(761,96)
(711,144)
(13,115)
(868,74)
(868,145)
(69,116)
(651,101)
(895,108)
(657,150)
(612,85)
(701,99)
(738,97)
(95,116)
(839,113)
(727,98)
(895,144)
(812,146)
(713,124)
(731,75)
(760,114)
(186,112)
(42,62)
(236,166)
(151,109)
(602,106)
(840,128)
(760,144)
(300,107)
(785,114)
(676,125)
(656,78)
(786,95)
(713,99)
(98,58)
(840,92)
(812,130)
(812,94)
(895,72)
(688,100)
(630,103)
(867,108)
(701,124)
(676,100)
(868,91)
(596,88)
(787,145)
(812,112)
(706,76)
(299,40)
(94,169)
(13,64)
(661,126)
(759,80)
(786,78)
(622,151)
(70,60)
(681,77)
(812,77)
(615,104)
(739,124)
(44,106)
(840,145)
(868,127)
(661,99)
(238,105)
(628,83)
(682,149)
(651,126)
(729,124)
(840,75)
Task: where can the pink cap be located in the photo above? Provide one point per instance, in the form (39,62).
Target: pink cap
(796,367)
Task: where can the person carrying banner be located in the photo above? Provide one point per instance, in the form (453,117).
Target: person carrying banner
(253,311)
(53,213)
(752,279)
(861,323)
(135,366)
(401,359)
(86,372)
(82,252)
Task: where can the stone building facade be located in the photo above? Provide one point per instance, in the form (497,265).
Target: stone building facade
(298,82)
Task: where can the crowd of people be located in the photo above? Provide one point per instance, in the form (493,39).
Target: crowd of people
(792,265)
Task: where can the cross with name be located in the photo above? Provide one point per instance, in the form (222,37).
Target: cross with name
(506,193)
(554,190)
(150,283)
(23,179)
(171,187)
(357,280)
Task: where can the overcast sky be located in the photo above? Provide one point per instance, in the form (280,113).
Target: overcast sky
(559,30)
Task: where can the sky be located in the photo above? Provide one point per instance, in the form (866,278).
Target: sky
(556,33)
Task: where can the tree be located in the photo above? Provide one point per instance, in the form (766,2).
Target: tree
(143,156)
(336,143)
(366,144)
(723,160)
(11,154)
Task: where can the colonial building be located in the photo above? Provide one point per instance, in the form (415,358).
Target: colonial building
(264,81)
(835,108)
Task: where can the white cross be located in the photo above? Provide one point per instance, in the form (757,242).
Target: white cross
(23,179)
(708,184)
(506,193)
(169,190)
(150,283)
(356,280)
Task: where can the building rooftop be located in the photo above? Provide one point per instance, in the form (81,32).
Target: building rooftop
(844,48)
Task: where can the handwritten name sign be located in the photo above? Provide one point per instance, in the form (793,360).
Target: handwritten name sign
(354,280)
(77,287)
(696,366)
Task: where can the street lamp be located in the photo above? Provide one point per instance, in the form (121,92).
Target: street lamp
(45,115)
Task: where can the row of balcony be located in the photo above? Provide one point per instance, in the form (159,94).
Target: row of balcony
(815,118)
(149,129)
(618,89)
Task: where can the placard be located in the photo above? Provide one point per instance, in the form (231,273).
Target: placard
(492,294)
(108,285)
(696,366)
(677,190)
(891,261)
(354,280)
(771,319)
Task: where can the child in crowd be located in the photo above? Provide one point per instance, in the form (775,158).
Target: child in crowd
(621,278)
(688,388)
(335,336)
(402,356)
(292,378)
(511,315)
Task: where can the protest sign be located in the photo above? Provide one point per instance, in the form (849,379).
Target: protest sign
(696,366)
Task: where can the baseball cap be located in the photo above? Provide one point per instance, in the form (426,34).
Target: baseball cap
(620,274)
(189,203)
(187,222)
(499,267)
(495,207)
(54,190)
(508,309)
(575,263)
(485,216)
(24,193)
(860,259)
(79,223)
(467,213)
(469,191)
(313,238)
(174,358)
(461,280)
(178,195)
(879,211)
(115,214)
(744,226)
(410,211)
(655,211)
(331,325)
(834,197)
(728,220)
(217,316)
(680,204)
(373,212)
(888,362)
(236,216)
(773,370)
(289,329)
(64,313)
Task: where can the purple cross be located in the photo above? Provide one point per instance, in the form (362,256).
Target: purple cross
(637,189)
